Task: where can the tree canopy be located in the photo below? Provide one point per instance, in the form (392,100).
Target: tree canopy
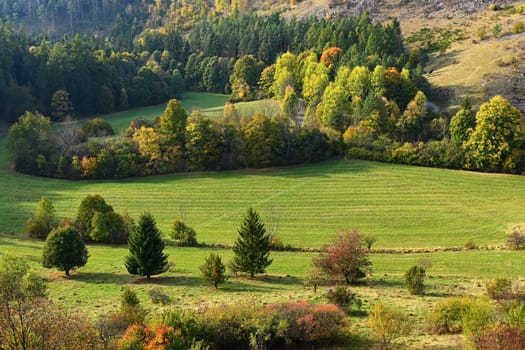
(65,250)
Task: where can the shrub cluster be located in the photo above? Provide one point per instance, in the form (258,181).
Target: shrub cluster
(455,315)
(242,327)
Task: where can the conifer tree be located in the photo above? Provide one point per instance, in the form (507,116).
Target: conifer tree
(146,256)
(252,248)
(213,270)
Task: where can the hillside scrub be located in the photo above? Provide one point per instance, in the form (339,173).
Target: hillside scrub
(241,327)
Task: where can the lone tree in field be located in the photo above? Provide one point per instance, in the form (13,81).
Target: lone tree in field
(146,256)
(415,280)
(213,270)
(346,256)
(252,248)
(65,250)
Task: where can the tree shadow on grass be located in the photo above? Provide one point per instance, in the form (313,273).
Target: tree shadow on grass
(100,277)
(387,283)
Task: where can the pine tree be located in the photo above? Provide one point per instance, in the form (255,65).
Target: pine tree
(213,270)
(64,249)
(252,248)
(146,256)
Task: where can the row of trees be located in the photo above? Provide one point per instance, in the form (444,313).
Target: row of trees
(65,242)
(489,140)
(174,142)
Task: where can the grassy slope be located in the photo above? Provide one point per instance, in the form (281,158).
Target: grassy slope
(403,206)
(472,67)
(95,288)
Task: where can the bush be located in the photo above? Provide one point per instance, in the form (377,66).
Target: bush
(44,220)
(516,239)
(341,296)
(387,323)
(499,288)
(470,245)
(446,316)
(184,235)
(516,316)
(414,280)
(518,27)
(130,308)
(345,257)
(158,296)
(97,127)
(275,325)
(500,337)
(477,317)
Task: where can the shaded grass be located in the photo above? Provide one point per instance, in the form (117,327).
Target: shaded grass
(191,101)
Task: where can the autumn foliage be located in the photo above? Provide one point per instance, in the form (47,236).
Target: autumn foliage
(346,257)
(331,56)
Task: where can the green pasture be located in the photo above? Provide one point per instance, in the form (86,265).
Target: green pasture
(96,287)
(403,206)
(211,105)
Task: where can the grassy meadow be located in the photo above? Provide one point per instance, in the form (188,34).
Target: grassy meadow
(403,206)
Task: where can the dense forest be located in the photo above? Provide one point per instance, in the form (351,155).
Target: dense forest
(337,67)
(100,78)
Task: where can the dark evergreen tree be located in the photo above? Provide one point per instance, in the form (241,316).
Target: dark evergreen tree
(252,248)
(146,256)
(64,249)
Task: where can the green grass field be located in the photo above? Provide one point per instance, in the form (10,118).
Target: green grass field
(402,206)
(98,284)
(211,105)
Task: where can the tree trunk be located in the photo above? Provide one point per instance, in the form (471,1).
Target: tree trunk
(67,272)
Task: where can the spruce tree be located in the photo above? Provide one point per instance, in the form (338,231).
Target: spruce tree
(146,256)
(252,248)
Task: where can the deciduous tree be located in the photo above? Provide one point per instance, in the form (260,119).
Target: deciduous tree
(65,250)
(462,124)
(44,220)
(495,142)
(346,256)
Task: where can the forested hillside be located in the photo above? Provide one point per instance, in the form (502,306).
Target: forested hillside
(101,78)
